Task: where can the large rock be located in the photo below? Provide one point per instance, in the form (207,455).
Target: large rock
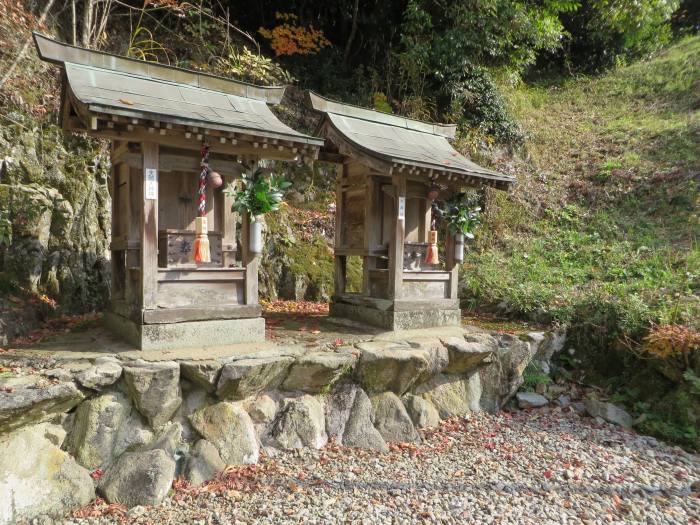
(475,335)
(530,400)
(609,412)
(106,371)
(39,479)
(338,405)
(261,409)
(501,379)
(204,374)
(545,345)
(33,402)
(422,412)
(359,429)
(391,366)
(168,440)
(155,389)
(465,356)
(317,371)
(300,423)
(95,428)
(452,395)
(436,353)
(249,377)
(54,431)
(139,478)
(134,434)
(192,400)
(391,419)
(229,428)
(204,462)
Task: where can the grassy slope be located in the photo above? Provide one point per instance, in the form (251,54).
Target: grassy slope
(602,231)
(607,203)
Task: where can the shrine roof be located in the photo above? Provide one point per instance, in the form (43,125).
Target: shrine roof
(101,83)
(401,142)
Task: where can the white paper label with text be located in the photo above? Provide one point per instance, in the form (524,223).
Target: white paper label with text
(402,208)
(151,184)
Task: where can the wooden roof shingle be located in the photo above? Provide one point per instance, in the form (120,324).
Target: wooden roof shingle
(401,141)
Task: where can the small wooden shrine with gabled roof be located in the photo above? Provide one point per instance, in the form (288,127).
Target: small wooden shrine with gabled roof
(177,136)
(392,170)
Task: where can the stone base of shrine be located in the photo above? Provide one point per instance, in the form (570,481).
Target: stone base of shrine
(396,315)
(188,334)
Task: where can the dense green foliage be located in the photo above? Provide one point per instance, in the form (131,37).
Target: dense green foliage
(258,193)
(460,215)
(608,32)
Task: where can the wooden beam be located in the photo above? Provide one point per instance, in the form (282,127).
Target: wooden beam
(119,148)
(190,163)
(149,226)
(181,141)
(335,158)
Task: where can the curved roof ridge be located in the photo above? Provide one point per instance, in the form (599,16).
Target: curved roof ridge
(327,105)
(59,53)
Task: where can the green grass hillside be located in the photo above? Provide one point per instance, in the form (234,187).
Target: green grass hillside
(607,203)
(602,231)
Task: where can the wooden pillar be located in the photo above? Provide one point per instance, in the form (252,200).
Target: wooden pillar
(397,238)
(371,229)
(251,262)
(149,226)
(113,188)
(451,266)
(339,261)
(425,220)
(226,224)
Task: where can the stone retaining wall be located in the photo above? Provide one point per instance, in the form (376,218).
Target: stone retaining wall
(125,430)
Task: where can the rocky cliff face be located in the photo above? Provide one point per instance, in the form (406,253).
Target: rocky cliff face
(55,219)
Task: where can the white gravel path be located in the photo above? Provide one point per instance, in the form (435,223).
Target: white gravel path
(534,467)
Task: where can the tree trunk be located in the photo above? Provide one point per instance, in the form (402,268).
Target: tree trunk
(74,22)
(353,30)
(87,22)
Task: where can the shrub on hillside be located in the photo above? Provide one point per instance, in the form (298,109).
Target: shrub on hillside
(610,32)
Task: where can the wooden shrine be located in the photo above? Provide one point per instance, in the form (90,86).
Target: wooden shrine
(158,119)
(392,169)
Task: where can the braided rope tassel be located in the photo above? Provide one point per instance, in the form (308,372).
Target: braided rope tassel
(202,252)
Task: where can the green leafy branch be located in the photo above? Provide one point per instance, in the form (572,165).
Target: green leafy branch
(459,216)
(258,194)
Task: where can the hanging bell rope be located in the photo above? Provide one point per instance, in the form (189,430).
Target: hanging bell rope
(202,253)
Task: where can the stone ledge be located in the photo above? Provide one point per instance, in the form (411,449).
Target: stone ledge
(188,334)
(226,409)
(396,320)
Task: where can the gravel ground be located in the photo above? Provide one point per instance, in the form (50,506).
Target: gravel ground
(533,467)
